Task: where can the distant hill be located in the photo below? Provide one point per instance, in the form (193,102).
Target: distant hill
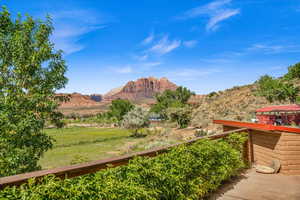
(79,100)
(141,90)
(83,104)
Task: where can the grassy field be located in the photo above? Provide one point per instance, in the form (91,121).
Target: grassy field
(81,144)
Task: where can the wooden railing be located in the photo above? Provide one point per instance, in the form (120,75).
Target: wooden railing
(90,167)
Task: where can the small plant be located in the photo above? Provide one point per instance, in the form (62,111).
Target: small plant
(200,133)
(212,94)
(79,159)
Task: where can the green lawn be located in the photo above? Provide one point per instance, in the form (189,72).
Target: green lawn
(85,144)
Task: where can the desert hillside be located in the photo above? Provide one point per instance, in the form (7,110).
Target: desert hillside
(237,103)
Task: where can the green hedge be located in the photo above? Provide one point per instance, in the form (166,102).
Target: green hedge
(185,172)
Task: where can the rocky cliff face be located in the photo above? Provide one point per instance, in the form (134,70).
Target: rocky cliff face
(143,88)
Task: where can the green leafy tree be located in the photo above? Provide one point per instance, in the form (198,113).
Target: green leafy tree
(182,94)
(293,72)
(30,73)
(169,98)
(136,119)
(119,108)
(180,115)
(277,89)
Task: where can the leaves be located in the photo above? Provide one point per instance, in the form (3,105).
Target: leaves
(30,73)
(136,119)
(277,89)
(185,172)
(168,98)
(293,72)
(119,108)
(181,115)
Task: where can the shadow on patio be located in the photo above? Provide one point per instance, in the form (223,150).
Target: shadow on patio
(255,186)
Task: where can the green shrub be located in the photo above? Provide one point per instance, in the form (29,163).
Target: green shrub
(180,115)
(135,120)
(185,172)
(77,159)
(201,133)
(236,140)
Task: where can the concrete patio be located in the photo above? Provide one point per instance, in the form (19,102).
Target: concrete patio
(255,186)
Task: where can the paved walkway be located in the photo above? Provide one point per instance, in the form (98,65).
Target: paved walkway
(255,186)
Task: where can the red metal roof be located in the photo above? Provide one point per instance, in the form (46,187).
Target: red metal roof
(263,127)
(282,108)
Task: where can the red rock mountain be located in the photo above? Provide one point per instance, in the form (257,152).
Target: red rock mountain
(143,88)
(139,91)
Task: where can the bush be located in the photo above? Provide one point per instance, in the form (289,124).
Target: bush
(180,115)
(135,120)
(201,133)
(185,172)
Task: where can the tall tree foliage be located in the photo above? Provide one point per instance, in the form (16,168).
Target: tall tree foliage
(30,73)
(293,72)
(119,108)
(281,90)
(173,99)
(180,115)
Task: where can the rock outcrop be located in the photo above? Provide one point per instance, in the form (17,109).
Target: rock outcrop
(80,100)
(141,89)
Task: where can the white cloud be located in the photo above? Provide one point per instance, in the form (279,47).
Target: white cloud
(191,73)
(271,49)
(142,57)
(165,46)
(124,70)
(221,16)
(148,39)
(190,43)
(151,64)
(133,67)
(71,25)
(206,9)
(217,11)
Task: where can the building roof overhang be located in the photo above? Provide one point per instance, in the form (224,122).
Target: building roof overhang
(280,108)
(257,126)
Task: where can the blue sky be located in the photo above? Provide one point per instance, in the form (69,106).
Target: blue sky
(203,45)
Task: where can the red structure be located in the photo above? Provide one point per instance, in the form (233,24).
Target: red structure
(284,115)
